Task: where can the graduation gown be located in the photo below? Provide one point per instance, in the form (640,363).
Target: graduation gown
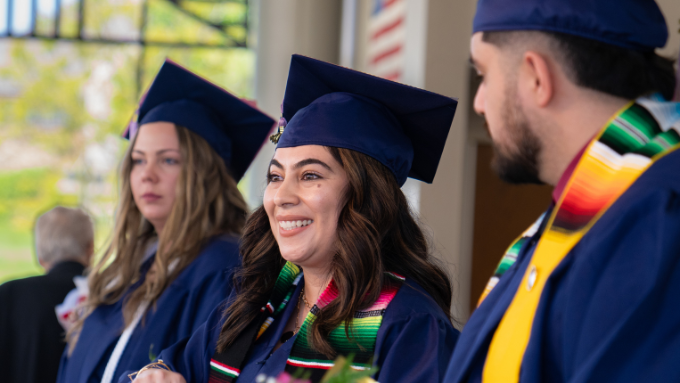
(31,338)
(414,343)
(609,312)
(180,310)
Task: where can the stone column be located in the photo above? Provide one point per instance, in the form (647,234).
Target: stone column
(282,28)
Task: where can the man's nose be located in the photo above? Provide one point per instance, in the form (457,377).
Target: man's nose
(480,99)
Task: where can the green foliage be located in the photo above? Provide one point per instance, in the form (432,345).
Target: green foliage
(55,113)
(167,23)
(342,372)
(152,355)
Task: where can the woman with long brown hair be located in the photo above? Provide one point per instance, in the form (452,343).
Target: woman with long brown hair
(175,242)
(334,262)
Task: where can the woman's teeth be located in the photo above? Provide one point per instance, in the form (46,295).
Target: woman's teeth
(290,225)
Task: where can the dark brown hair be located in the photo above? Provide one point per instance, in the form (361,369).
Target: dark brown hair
(617,71)
(376,232)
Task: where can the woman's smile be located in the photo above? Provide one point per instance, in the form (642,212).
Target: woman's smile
(290,225)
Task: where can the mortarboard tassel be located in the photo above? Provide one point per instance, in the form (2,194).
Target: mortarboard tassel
(279,131)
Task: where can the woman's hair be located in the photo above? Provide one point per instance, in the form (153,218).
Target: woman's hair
(207,204)
(376,232)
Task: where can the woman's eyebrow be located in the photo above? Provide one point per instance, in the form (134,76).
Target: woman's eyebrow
(308,161)
(311,161)
(157,151)
(166,150)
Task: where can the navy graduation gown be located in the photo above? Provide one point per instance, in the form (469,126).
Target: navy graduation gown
(414,343)
(180,310)
(609,312)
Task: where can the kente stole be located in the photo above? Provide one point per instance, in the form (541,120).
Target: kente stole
(225,366)
(630,142)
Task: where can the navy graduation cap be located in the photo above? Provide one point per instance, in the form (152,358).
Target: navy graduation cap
(632,24)
(403,127)
(233,128)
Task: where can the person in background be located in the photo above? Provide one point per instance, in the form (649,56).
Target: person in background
(575,96)
(178,222)
(31,338)
(334,262)
(677,81)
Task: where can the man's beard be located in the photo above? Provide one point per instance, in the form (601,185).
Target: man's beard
(521,165)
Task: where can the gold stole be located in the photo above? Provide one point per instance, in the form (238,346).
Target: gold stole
(600,177)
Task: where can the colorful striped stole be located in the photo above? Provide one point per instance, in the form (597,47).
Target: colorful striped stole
(225,366)
(631,141)
(510,257)
(364,329)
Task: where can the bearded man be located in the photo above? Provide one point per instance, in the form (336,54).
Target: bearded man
(574,96)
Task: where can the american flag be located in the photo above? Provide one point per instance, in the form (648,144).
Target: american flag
(386,37)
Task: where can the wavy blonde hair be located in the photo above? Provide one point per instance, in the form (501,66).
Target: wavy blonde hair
(207,204)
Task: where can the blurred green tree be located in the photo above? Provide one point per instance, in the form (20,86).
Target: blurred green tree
(64,104)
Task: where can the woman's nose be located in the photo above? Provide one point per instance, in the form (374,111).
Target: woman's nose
(149,173)
(286,194)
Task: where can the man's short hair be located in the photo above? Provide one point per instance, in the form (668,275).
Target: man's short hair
(617,71)
(63,234)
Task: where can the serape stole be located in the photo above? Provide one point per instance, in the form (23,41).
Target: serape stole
(510,257)
(225,366)
(631,141)
(364,330)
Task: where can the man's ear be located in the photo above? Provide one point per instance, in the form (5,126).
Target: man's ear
(45,265)
(538,78)
(90,252)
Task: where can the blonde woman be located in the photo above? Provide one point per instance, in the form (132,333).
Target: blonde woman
(175,242)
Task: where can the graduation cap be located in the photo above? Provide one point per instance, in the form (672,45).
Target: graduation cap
(234,128)
(632,24)
(403,127)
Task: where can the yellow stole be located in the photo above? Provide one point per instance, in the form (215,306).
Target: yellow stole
(629,143)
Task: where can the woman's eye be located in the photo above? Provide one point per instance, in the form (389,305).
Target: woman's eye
(310,176)
(273,177)
(137,161)
(170,161)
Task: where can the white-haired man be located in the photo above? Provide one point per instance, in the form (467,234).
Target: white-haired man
(31,339)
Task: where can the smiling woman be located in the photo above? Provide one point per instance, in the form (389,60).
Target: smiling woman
(306,185)
(334,262)
(179,217)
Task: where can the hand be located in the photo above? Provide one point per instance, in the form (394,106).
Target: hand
(159,376)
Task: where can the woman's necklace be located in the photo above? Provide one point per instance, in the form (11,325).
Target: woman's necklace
(304,299)
(285,337)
